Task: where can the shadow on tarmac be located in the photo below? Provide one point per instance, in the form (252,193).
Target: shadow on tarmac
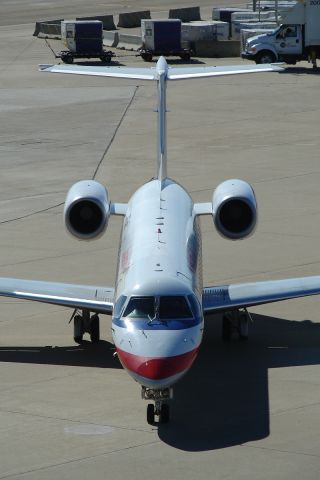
(85,355)
(224,400)
(300,70)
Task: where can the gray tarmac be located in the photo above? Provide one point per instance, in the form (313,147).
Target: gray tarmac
(245,411)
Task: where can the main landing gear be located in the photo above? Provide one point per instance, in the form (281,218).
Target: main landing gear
(235,324)
(160,408)
(86,323)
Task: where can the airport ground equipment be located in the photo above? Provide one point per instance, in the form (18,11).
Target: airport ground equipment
(297,38)
(162,37)
(83,39)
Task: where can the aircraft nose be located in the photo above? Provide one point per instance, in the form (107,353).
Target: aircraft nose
(160,371)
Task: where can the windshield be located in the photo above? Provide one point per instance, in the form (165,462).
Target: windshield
(140,307)
(165,307)
(174,307)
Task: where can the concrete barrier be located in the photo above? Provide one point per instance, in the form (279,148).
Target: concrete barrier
(185,14)
(107,21)
(132,19)
(129,42)
(49,28)
(210,49)
(111,39)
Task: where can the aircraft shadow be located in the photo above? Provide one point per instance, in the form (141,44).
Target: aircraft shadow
(224,400)
(85,355)
(300,71)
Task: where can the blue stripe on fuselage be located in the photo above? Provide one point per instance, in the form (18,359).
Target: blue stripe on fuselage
(144,324)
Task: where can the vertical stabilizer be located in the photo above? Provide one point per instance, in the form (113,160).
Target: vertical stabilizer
(161,75)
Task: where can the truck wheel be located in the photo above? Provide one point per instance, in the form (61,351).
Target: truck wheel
(265,57)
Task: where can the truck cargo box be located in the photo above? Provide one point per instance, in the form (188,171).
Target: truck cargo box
(161,35)
(82,36)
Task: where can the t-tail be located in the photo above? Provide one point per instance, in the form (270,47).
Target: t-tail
(161,73)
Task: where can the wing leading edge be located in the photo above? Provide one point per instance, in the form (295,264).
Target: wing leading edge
(228,297)
(93,298)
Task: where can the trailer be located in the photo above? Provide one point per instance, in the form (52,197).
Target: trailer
(83,39)
(162,37)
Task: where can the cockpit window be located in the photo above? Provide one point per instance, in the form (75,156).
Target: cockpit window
(119,305)
(140,307)
(174,307)
(162,308)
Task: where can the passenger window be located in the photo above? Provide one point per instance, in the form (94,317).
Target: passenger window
(140,307)
(174,307)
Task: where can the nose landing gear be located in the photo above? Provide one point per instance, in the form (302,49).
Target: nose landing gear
(160,408)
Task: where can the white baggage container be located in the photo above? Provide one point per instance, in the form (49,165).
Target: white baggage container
(197,31)
(251,17)
(224,14)
(238,26)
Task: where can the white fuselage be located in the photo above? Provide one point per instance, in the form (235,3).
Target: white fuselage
(159,258)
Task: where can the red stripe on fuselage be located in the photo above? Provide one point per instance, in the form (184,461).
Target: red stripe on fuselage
(157,368)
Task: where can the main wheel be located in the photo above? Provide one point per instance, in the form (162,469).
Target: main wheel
(165,413)
(243,327)
(150,413)
(226,329)
(78,329)
(94,329)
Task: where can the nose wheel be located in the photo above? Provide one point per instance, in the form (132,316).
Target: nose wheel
(161,411)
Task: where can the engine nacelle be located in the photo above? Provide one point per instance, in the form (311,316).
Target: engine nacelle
(87,209)
(234,209)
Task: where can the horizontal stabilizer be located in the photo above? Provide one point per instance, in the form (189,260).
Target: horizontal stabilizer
(171,73)
(117,72)
(202,72)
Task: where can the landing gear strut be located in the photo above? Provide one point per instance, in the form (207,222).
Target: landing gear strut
(236,324)
(160,408)
(86,324)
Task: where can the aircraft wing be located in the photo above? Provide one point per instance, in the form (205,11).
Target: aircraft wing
(228,297)
(95,299)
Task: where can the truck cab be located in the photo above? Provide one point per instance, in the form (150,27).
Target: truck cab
(284,44)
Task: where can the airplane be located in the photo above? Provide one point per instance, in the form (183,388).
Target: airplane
(159,302)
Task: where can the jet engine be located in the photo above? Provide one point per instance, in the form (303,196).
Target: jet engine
(87,210)
(234,209)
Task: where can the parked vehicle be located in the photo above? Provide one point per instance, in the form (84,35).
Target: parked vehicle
(298,38)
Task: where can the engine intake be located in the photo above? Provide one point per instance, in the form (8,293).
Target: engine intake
(234,209)
(87,210)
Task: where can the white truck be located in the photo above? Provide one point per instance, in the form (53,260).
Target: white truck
(297,38)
